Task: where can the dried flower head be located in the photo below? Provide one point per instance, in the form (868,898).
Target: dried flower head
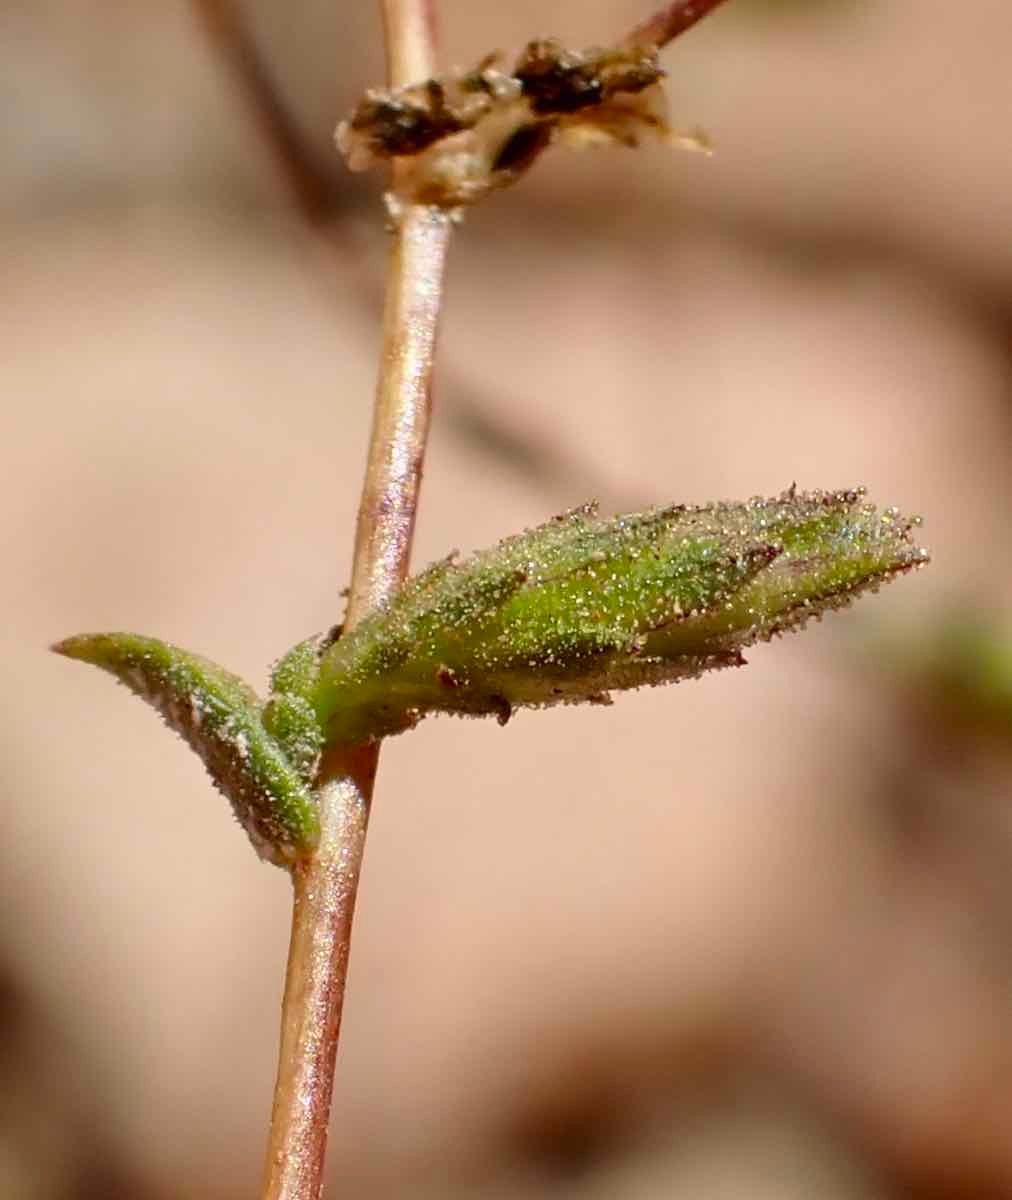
(455,139)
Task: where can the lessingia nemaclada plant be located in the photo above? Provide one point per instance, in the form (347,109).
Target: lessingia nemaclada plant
(564,613)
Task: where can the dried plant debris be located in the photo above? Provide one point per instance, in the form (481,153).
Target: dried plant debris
(580,606)
(220,718)
(457,138)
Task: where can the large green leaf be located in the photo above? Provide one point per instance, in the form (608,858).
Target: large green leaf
(580,606)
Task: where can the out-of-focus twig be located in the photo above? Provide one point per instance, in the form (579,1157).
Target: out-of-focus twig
(279,132)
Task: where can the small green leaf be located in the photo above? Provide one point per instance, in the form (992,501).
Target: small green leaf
(220,717)
(581,605)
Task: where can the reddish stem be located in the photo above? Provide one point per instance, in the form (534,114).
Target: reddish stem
(667,24)
(327,883)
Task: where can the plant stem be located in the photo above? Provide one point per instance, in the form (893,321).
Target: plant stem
(386,517)
(325,887)
(666,24)
(326,884)
(409,29)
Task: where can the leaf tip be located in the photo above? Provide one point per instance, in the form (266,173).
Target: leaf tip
(76,646)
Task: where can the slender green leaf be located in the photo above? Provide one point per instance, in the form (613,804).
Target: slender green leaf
(220,717)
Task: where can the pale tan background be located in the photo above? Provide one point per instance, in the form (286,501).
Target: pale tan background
(747,938)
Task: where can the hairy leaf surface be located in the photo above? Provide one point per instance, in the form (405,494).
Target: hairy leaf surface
(582,605)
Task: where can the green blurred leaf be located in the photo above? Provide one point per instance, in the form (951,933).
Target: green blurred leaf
(220,717)
(965,664)
(580,606)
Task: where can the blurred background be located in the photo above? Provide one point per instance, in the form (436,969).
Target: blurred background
(744,938)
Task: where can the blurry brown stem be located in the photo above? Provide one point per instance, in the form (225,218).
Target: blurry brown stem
(674,19)
(327,883)
(231,39)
